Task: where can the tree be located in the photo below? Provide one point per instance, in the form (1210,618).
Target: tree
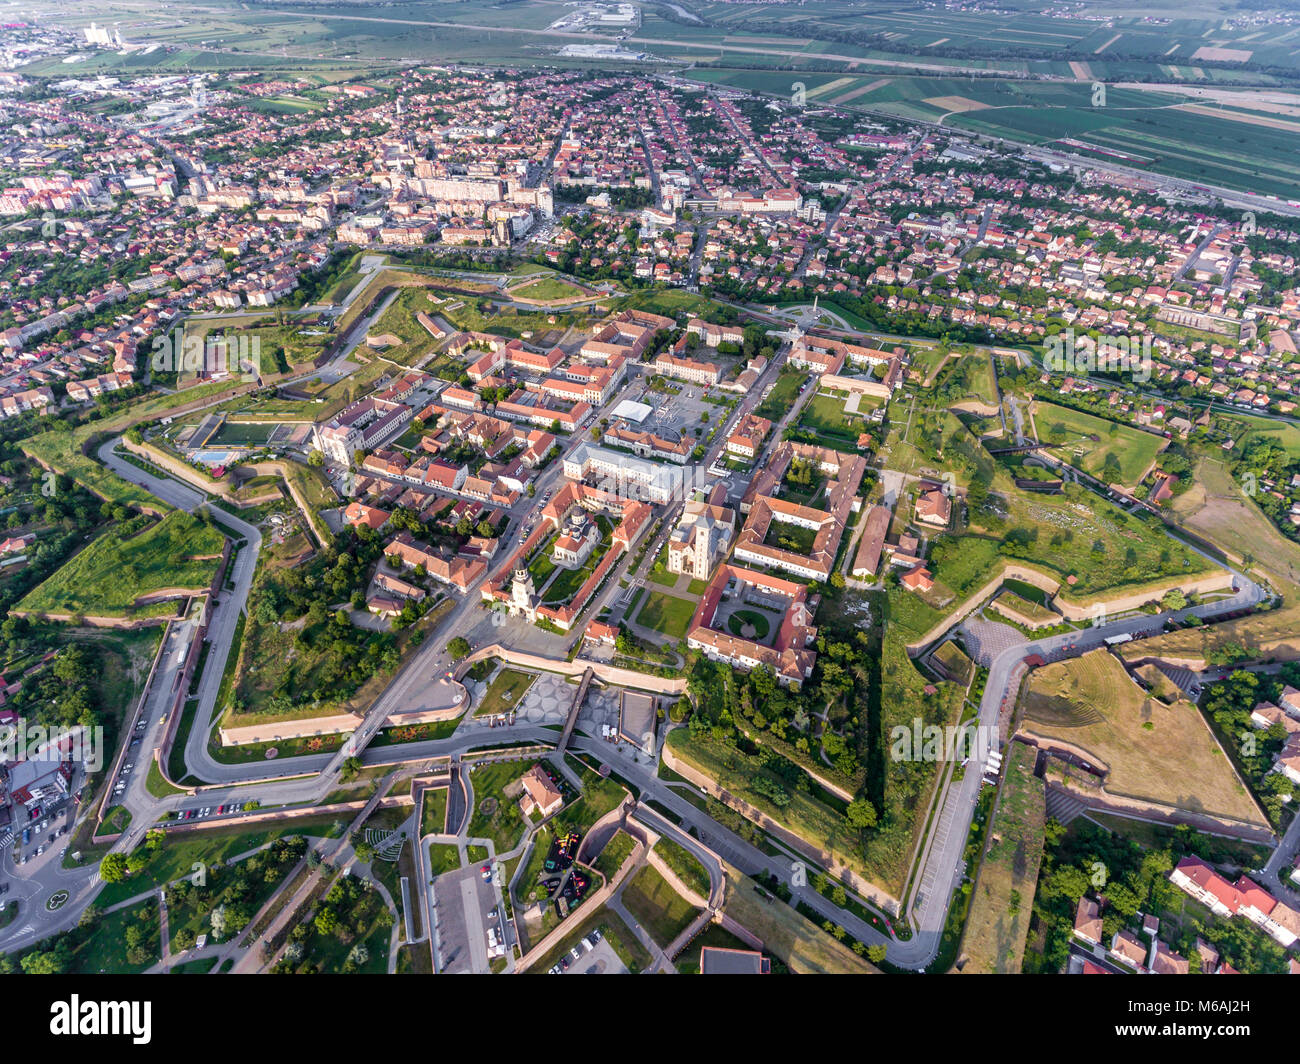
(351,767)
(316,458)
(327,921)
(113,868)
(364,851)
(458,647)
(52,962)
(861,814)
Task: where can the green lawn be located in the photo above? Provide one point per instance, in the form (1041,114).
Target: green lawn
(782,395)
(715,935)
(107,950)
(616,851)
(788,536)
(547,289)
(363,921)
(1119,454)
(179,854)
(443,857)
(685,864)
(567,581)
(202,966)
(496,816)
(658,908)
(527,889)
(737,621)
(242,888)
(433,817)
(667,614)
(505,692)
(825,413)
(599,796)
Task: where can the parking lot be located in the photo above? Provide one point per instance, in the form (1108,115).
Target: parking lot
(590,955)
(463,902)
(47,830)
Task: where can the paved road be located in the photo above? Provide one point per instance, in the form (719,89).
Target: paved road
(225,614)
(941,867)
(941,871)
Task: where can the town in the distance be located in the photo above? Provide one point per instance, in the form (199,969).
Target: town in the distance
(815,503)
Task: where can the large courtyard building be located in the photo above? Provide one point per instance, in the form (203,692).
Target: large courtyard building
(762,541)
(729,604)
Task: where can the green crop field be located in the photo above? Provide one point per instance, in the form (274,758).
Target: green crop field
(1158,128)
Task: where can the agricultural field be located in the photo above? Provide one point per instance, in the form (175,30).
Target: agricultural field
(129,561)
(1114,453)
(1167,129)
(998,924)
(1158,753)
